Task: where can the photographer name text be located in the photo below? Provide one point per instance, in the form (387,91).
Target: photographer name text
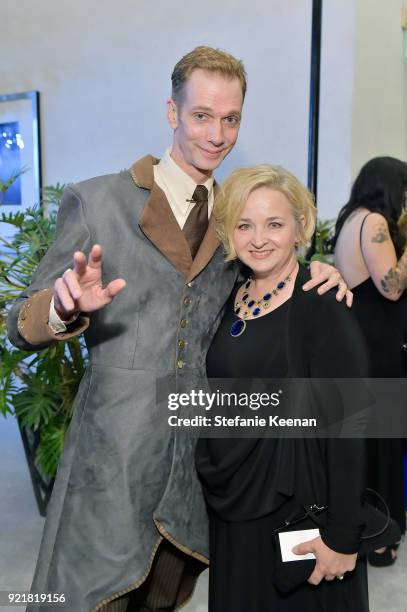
(238,421)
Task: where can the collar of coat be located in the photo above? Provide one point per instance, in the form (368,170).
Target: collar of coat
(159,224)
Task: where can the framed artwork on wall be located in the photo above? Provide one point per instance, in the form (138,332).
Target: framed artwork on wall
(19,153)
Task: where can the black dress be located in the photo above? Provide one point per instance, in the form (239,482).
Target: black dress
(244,482)
(384,324)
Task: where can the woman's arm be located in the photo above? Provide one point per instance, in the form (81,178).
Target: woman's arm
(379,254)
(338,351)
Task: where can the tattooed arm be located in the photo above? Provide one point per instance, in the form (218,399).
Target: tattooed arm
(379,254)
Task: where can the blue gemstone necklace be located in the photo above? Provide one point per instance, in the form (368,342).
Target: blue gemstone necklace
(246,306)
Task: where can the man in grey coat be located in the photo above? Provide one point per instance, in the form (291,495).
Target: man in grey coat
(126,524)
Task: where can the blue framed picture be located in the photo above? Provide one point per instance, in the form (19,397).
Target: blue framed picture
(11,144)
(19,153)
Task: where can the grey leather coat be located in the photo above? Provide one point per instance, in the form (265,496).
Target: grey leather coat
(125,480)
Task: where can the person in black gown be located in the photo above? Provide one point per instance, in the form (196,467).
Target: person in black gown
(271,328)
(370,252)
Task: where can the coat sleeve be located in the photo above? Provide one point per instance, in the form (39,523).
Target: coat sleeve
(27,322)
(340,351)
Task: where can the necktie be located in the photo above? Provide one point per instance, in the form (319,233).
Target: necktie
(197,221)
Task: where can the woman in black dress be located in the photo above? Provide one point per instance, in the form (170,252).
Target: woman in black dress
(370,252)
(273,329)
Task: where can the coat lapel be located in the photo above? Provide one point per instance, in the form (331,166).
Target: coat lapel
(206,251)
(157,220)
(160,226)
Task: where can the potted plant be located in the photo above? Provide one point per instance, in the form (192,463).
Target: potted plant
(324,231)
(37,388)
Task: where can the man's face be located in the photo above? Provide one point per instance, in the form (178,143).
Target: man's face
(205,121)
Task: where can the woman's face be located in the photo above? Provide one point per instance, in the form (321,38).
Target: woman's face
(265,235)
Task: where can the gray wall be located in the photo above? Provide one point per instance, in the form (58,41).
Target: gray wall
(103,69)
(335,129)
(363,93)
(379,100)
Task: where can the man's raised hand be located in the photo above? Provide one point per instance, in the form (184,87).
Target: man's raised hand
(80,289)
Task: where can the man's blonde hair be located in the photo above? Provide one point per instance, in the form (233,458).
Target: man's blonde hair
(210,59)
(234,192)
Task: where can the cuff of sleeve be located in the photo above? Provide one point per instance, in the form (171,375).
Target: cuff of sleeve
(346,542)
(33,321)
(55,322)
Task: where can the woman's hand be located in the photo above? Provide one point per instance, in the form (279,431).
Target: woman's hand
(330,564)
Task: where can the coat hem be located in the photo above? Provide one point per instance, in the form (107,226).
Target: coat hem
(133,585)
(181,547)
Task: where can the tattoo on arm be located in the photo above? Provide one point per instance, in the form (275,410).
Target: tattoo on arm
(402,268)
(381,234)
(391,282)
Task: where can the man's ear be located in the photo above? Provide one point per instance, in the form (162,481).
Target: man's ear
(172,113)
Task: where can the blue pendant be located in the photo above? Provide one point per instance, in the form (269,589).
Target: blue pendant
(244,297)
(251,303)
(266,297)
(281,285)
(237,310)
(238,328)
(256,312)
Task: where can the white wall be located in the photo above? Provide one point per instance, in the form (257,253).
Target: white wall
(363,110)
(335,129)
(379,100)
(103,69)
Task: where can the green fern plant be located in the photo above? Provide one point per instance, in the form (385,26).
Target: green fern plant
(37,388)
(323,234)
(5,185)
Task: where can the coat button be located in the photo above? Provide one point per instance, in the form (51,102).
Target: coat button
(187,301)
(182,344)
(183,323)
(180,363)
(189,284)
